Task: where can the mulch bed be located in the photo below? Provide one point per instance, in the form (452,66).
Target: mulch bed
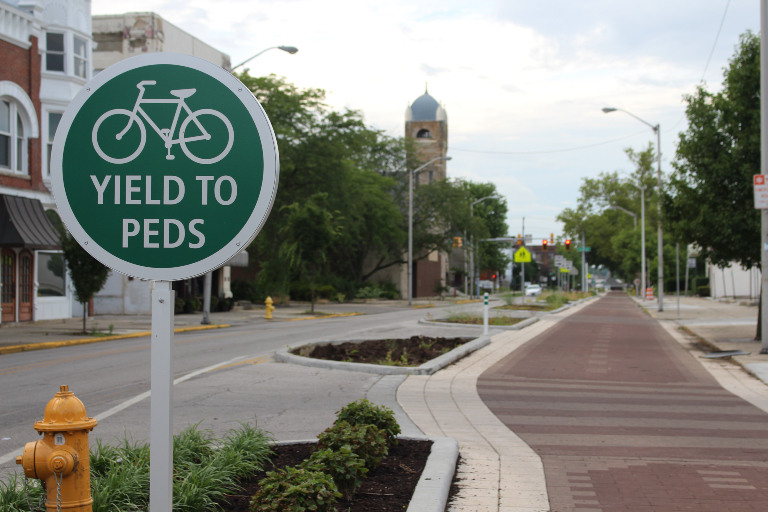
(388,488)
(413,351)
(478,320)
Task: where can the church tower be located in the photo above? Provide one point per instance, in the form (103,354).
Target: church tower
(426,122)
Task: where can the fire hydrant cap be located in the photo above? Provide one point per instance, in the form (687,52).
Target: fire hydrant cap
(65,412)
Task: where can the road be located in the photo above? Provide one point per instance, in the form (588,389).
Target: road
(227,376)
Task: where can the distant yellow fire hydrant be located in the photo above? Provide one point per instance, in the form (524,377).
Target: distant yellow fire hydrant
(270,308)
(61,457)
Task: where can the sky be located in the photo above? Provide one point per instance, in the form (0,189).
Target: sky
(523,82)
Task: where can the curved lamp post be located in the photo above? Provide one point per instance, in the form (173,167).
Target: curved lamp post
(410,224)
(656,129)
(289,49)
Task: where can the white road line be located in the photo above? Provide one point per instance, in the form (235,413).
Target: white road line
(138,398)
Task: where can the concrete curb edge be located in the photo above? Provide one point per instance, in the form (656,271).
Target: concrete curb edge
(431,493)
(85,341)
(516,327)
(283,355)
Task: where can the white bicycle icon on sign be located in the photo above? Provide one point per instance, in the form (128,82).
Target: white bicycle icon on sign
(165,133)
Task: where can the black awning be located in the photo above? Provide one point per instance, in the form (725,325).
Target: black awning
(23,223)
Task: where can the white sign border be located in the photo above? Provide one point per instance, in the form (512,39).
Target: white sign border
(252,226)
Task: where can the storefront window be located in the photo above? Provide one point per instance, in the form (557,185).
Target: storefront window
(50,275)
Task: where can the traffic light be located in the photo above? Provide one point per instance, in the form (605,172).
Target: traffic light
(519,240)
(568,244)
(493,277)
(460,241)
(455,241)
(544,245)
(552,238)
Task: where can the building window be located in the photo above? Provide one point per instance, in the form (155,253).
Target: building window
(54,51)
(423,134)
(51,281)
(81,58)
(13,143)
(54,118)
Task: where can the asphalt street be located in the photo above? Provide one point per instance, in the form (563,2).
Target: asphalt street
(223,377)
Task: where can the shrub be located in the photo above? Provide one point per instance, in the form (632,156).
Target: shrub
(179,306)
(369,292)
(340,297)
(508,298)
(346,468)
(363,412)
(704,291)
(366,441)
(295,489)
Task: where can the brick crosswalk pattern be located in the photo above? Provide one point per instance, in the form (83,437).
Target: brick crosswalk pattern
(625,419)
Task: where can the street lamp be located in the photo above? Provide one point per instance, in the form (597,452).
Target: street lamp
(472,251)
(656,129)
(410,224)
(289,49)
(634,215)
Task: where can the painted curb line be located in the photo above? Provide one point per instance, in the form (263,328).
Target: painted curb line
(516,327)
(284,356)
(85,341)
(431,493)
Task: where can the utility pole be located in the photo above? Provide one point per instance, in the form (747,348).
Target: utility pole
(583,261)
(764,170)
(661,237)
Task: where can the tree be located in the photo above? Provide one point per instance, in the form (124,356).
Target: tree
(709,198)
(309,232)
(88,274)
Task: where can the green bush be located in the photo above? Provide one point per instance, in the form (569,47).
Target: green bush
(295,490)
(508,298)
(346,468)
(704,291)
(363,412)
(366,441)
(301,290)
(179,306)
(369,292)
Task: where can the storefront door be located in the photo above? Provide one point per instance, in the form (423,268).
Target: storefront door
(25,286)
(8,274)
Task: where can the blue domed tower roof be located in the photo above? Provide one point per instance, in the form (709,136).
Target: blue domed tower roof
(425,108)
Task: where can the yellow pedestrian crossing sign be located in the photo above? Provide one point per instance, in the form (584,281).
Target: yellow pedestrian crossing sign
(522,255)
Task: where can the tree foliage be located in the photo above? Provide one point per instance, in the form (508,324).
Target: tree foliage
(364,174)
(88,274)
(709,200)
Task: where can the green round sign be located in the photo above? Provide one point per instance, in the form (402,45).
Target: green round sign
(164,166)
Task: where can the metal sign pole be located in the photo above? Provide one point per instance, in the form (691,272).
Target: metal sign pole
(161,408)
(764,171)
(485,315)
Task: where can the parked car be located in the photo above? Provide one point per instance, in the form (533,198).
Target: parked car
(533,290)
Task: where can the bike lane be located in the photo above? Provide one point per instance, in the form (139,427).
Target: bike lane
(624,419)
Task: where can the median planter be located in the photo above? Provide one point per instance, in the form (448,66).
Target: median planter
(468,346)
(516,327)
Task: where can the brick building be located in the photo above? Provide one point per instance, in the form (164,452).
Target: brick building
(45,50)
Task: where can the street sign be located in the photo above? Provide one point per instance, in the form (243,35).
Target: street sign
(760,191)
(637,281)
(569,265)
(559,259)
(164,167)
(584,249)
(522,255)
(691,262)
(563,269)
(574,271)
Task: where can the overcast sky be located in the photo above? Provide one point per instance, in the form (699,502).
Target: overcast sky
(515,76)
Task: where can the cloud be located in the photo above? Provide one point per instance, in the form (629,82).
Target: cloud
(430,71)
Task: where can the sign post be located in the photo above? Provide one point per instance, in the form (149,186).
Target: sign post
(522,256)
(164,167)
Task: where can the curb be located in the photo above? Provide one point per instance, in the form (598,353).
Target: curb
(431,493)
(85,341)
(338,315)
(284,356)
(516,327)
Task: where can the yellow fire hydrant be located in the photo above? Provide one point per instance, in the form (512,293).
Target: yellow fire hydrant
(270,308)
(61,457)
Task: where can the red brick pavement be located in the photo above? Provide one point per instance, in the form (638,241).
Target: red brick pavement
(625,419)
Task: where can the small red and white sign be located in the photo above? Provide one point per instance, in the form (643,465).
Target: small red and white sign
(761,191)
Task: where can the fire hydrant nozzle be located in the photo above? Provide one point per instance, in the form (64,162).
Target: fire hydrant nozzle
(61,457)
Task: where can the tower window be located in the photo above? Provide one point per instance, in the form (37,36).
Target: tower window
(423,134)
